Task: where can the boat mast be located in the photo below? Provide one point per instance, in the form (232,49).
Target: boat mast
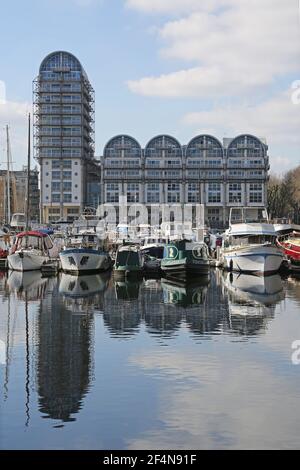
(28,175)
(8,177)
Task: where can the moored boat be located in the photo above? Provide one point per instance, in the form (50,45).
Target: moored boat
(289,240)
(183,258)
(128,261)
(30,251)
(152,252)
(251,247)
(84,253)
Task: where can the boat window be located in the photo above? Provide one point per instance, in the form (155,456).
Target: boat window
(128,257)
(30,241)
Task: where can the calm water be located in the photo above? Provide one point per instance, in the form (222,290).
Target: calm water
(87,363)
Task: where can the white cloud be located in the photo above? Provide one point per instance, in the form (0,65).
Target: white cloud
(211,404)
(238,48)
(277,119)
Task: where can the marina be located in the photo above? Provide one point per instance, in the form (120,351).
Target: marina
(101,363)
(149,230)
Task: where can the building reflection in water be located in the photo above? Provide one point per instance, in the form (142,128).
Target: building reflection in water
(65,351)
(236,303)
(123,308)
(64,325)
(251,301)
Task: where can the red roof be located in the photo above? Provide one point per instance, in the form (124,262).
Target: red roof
(32,234)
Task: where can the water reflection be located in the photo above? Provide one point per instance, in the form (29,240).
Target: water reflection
(251,300)
(30,284)
(83,293)
(183,294)
(65,354)
(127,290)
(61,338)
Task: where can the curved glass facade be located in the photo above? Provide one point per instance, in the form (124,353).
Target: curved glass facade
(163,146)
(64,135)
(203,172)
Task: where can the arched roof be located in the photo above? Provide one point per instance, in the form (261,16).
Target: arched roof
(250,137)
(114,141)
(169,140)
(61,59)
(198,138)
(166,136)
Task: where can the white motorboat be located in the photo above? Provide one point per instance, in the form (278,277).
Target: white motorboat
(30,251)
(84,253)
(250,246)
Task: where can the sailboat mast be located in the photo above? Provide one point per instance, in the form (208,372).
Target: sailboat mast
(8,177)
(28,174)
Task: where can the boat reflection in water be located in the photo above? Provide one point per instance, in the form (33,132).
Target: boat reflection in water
(127,290)
(29,284)
(84,292)
(123,309)
(251,300)
(191,294)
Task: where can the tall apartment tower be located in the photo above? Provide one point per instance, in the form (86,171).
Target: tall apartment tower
(64,136)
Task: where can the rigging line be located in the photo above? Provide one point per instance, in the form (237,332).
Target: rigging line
(27,383)
(6,380)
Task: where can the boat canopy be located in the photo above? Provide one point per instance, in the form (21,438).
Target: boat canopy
(32,233)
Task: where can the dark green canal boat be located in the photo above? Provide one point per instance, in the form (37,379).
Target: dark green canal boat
(184,259)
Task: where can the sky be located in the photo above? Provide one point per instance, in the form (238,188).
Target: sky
(180,67)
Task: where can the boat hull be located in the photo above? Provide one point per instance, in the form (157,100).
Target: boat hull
(81,260)
(254,259)
(184,268)
(26,261)
(128,271)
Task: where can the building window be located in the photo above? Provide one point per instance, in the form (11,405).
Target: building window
(112,192)
(67,164)
(133,192)
(55,186)
(67,197)
(173,193)
(256,193)
(193,192)
(153,193)
(235,193)
(55,197)
(213,215)
(73,211)
(54,210)
(56,164)
(67,186)
(214,192)
(56,175)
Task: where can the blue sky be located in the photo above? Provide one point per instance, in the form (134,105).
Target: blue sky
(164,66)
